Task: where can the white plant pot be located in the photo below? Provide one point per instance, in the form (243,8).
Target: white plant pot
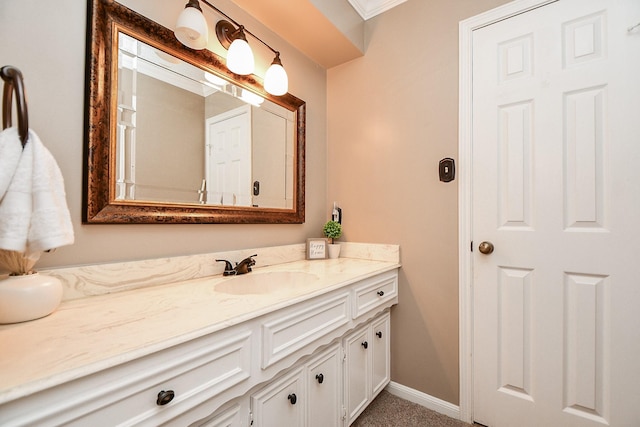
(334,250)
(28,297)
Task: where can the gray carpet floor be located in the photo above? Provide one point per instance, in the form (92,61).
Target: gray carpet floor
(388,410)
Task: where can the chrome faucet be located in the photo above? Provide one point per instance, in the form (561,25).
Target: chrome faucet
(242,267)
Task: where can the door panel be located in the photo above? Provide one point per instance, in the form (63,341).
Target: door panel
(281,403)
(228,158)
(380,364)
(325,397)
(357,372)
(556,189)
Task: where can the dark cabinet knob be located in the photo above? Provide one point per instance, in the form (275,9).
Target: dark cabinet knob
(381,293)
(292,398)
(165,397)
(320,378)
(379,334)
(365,344)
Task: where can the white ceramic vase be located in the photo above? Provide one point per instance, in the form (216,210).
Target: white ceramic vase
(334,250)
(28,297)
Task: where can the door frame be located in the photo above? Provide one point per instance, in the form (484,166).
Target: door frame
(465,213)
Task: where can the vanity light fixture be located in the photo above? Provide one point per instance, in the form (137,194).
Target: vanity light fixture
(231,35)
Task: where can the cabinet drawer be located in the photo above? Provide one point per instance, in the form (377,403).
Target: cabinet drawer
(127,394)
(293,329)
(374,293)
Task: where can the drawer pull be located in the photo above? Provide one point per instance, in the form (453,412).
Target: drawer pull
(381,293)
(292,398)
(365,345)
(165,397)
(379,334)
(320,378)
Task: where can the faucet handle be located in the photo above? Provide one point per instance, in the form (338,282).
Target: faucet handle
(228,267)
(244,266)
(250,261)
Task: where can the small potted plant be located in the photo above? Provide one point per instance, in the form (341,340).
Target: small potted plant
(333,230)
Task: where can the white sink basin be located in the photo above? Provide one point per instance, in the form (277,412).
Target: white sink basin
(265,283)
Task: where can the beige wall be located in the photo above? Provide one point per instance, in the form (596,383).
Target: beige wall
(46,40)
(392,117)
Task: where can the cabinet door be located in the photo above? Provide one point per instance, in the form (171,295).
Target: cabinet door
(324,379)
(381,354)
(281,403)
(357,371)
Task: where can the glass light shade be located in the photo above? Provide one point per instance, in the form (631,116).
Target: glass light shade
(240,57)
(276,81)
(192,29)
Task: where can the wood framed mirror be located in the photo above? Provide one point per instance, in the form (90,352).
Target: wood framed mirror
(154,113)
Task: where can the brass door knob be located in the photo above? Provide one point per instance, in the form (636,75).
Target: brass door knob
(485,248)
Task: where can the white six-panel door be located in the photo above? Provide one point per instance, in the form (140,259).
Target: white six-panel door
(556,190)
(228,158)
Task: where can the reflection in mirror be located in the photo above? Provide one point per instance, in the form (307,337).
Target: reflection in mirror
(174,137)
(235,148)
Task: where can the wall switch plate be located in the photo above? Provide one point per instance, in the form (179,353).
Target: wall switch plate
(447,169)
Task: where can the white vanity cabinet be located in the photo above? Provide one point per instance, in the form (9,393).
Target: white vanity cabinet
(367,367)
(297,363)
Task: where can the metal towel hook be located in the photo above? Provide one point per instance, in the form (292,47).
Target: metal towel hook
(13,81)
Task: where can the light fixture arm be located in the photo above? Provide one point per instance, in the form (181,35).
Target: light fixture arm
(229,31)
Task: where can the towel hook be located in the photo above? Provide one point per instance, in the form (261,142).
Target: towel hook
(13,81)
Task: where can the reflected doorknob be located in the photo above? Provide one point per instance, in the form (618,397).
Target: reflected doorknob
(485,248)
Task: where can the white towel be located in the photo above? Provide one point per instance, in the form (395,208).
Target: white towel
(16,205)
(33,213)
(10,151)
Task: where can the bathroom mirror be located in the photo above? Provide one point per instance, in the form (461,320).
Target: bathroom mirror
(174,137)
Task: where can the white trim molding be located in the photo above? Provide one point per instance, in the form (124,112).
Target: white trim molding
(423,399)
(465,232)
(370,8)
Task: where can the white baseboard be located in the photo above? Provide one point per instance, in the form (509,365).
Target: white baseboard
(423,399)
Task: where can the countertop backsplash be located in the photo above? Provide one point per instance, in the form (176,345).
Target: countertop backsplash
(99,279)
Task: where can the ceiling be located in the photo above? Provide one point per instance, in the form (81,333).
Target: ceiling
(330,32)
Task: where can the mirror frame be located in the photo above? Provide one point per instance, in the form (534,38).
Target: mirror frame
(105,18)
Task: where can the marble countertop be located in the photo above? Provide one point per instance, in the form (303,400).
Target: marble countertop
(87,335)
